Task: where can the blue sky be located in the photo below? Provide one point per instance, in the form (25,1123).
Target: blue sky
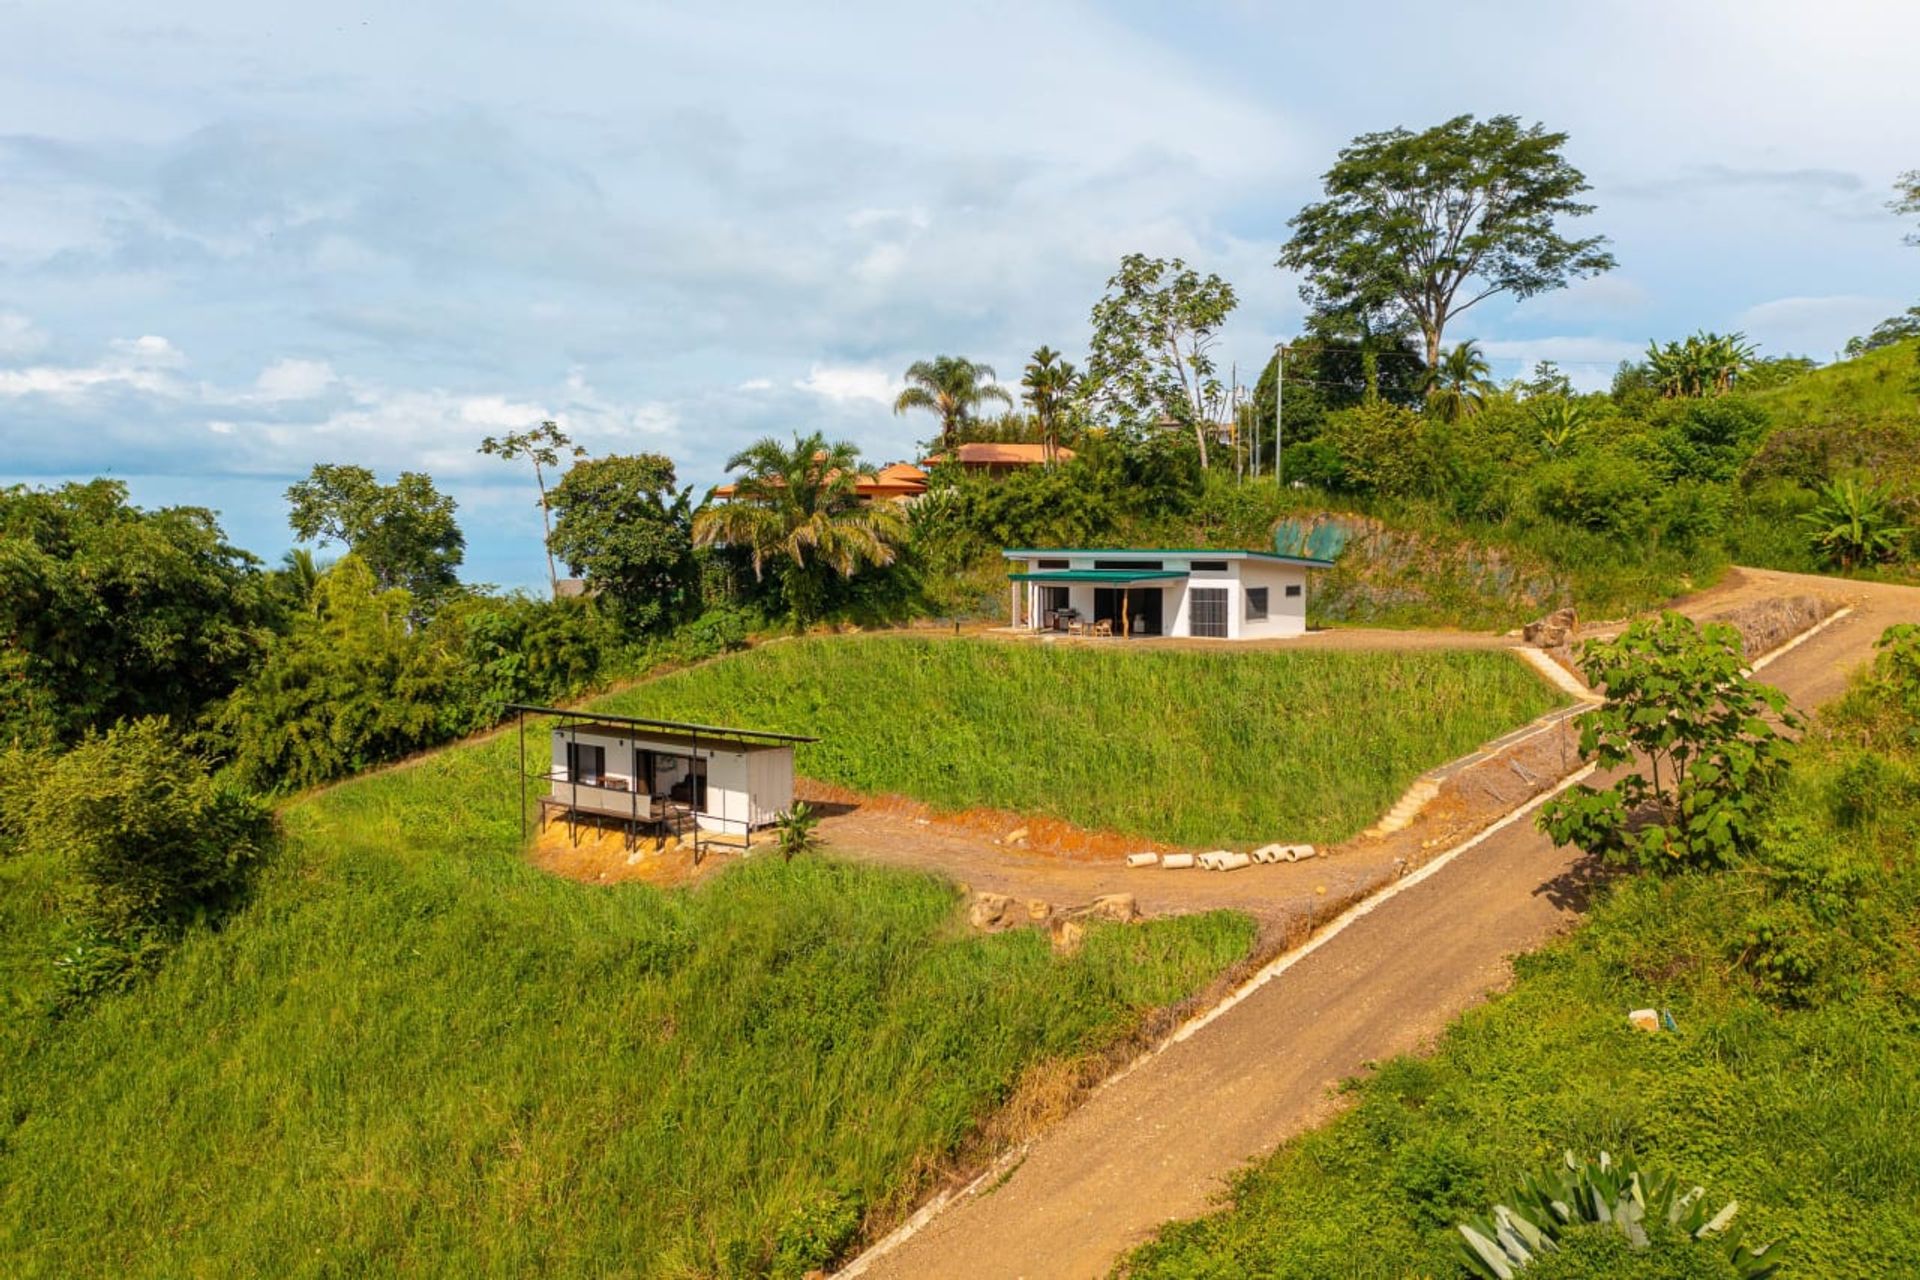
(238,239)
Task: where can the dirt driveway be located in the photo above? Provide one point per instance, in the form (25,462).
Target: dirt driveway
(1159,1140)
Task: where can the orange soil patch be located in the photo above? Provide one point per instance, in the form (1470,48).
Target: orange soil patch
(599,855)
(1044,835)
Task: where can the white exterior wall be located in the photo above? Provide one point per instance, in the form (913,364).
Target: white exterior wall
(743,787)
(1286,615)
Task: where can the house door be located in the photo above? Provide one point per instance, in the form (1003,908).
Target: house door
(1139,607)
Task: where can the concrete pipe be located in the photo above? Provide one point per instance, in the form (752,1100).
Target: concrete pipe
(1143,859)
(1177,861)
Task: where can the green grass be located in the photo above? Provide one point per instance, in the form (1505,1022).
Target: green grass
(1798,1095)
(1182,745)
(1878,387)
(412,1053)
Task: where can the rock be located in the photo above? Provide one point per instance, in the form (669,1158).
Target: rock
(633,857)
(1118,907)
(1066,935)
(1552,631)
(1016,835)
(1038,910)
(991,912)
(1644,1019)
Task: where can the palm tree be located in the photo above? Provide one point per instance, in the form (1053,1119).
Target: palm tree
(301,572)
(1457,386)
(797,510)
(1854,524)
(951,386)
(1049,383)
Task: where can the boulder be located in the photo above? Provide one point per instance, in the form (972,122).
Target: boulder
(1038,910)
(1066,935)
(1118,907)
(1553,631)
(991,912)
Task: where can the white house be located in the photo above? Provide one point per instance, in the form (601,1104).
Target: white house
(725,780)
(1227,595)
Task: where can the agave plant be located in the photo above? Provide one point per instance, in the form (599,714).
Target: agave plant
(1606,1191)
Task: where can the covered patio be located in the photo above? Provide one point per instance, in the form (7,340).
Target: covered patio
(1093,602)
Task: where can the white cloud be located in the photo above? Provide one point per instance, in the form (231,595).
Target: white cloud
(19,337)
(138,364)
(1816,327)
(294,380)
(845,384)
(757,384)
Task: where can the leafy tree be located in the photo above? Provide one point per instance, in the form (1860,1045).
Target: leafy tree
(1906,200)
(152,839)
(1421,226)
(1679,697)
(404,532)
(1457,386)
(951,387)
(542,447)
(110,612)
(796,510)
(1333,366)
(1706,364)
(1049,385)
(1854,524)
(354,685)
(1891,332)
(1545,380)
(622,527)
(1151,360)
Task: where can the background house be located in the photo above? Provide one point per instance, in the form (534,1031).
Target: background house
(997,458)
(1226,595)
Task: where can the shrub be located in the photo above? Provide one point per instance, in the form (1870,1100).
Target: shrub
(153,841)
(1679,697)
(1603,491)
(20,771)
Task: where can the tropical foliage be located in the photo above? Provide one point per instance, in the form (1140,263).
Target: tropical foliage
(1150,361)
(1049,386)
(1854,524)
(1679,698)
(404,532)
(1706,364)
(1457,386)
(952,388)
(621,526)
(795,514)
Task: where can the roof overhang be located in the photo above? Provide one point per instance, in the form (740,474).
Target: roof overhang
(1161,553)
(1102,577)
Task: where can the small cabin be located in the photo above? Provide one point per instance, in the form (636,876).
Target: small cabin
(1125,592)
(649,775)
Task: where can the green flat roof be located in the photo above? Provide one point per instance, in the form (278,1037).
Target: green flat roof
(1198,553)
(1109,576)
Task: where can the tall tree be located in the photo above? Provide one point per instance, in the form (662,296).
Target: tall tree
(108,611)
(1425,225)
(1049,384)
(1150,361)
(1457,386)
(620,524)
(951,387)
(404,532)
(1906,200)
(796,510)
(541,446)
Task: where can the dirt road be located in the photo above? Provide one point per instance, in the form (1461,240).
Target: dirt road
(1158,1142)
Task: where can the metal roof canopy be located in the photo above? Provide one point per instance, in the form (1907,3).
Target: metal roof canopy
(1193,553)
(1108,577)
(641,722)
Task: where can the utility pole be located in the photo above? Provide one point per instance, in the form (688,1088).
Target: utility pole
(1279,403)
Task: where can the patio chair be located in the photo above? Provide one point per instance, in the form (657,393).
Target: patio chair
(1103,627)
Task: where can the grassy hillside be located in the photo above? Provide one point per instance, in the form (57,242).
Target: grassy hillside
(412,1053)
(1877,387)
(1190,746)
(1792,1083)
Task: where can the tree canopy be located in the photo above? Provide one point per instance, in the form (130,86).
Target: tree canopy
(543,447)
(951,388)
(110,612)
(1906,200)
(403,532)
(621,525)
(1421,226)
(1150,361)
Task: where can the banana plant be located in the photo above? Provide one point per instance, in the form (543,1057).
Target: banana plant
(1606,1191)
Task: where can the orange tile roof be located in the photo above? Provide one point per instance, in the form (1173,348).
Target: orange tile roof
(991,453)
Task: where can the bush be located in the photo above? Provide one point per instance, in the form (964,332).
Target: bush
(1602,491)
(20,772)
(153,841)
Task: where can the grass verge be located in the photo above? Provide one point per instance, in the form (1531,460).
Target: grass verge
(1180,745)
(411,1053)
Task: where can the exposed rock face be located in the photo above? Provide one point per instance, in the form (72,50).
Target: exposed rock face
(1553,631)
(993,912)
(1066,935)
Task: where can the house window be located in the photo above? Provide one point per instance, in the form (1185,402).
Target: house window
(1144,565)
(1054,599)
(1207,612)
(586,763)
(1293,591)
(1209,566)
(1256,604)
(1050,564)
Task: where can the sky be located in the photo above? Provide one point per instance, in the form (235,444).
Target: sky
(241,238)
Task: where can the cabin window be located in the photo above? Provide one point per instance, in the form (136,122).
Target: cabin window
(1209,566)
(1143,565)
(1207,614)
(586,762)
(1256,604)
(1054,599)
(1293,591)
(1051,564)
